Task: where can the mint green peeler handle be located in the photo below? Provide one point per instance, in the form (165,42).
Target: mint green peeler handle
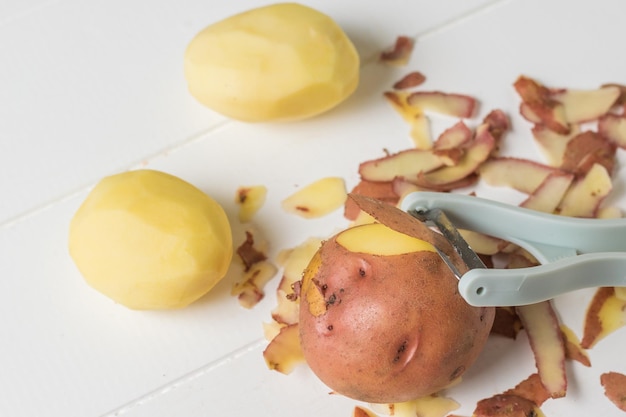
(515,287)
(515,223)
(575,253)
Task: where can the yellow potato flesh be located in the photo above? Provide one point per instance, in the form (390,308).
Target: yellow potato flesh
(276,63)
(149,240)
(318,198)
(378,239)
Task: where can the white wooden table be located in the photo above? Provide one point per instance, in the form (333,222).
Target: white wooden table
(92,88)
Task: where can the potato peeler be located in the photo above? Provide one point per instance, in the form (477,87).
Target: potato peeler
(574,253)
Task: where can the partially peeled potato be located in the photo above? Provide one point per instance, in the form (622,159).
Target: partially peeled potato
(381,318)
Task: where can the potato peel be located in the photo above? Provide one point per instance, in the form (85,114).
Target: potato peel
(582,106)
(449,104)
(410,80)
(587,149)
(606,313)
(523,400)
(250,290)
(613,127)
(543,106)
(384,191)
(520,174)
(284,353)
(455,137)
(532,389)
(506,405)
(553,144)
(614,384)
(250,199)
(573,349)
(407,163)
(398,100)
(477,152)
(545,337)
(403,222)
(420,132)
(548,195)
(506,323)
(584,197)
(429,406)
(362,412)
(400,54)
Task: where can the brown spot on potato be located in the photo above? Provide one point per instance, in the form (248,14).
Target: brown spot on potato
(331,300)
(400,351)
(457,372)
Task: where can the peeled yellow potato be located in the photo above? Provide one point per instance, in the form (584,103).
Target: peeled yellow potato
(150,240)
(280,62)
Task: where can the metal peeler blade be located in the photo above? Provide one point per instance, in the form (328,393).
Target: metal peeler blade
(438,218)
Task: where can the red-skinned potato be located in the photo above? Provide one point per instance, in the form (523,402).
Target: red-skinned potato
(381,319)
